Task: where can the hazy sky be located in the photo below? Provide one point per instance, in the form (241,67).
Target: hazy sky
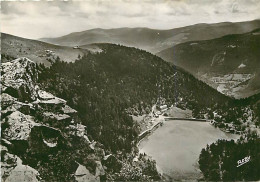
(56,18)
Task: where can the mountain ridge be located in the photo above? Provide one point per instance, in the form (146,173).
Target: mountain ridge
(153,40)
(40,52)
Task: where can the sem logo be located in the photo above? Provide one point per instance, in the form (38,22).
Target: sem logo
(243,161)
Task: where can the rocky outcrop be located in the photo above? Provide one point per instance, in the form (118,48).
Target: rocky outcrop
(82,174)
(79,130)
(55,120)
(36,123)
(19,126)
(44,140)
(54,103)
(11,104)
(68,110)
(13,170)
(18,79)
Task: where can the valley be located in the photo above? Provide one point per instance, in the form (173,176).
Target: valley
(229,84)
(229,63)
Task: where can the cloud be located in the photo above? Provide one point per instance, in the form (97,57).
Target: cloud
(50,19)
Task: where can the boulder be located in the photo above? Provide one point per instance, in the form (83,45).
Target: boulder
(78,130)
(8,163)
(7,100)
(99,169)
(19,79)
(45,140)
(53,104)
(82,174)
(12,168)
(19,126)
(13,105)
(68,110)
(56,120)
(43,95)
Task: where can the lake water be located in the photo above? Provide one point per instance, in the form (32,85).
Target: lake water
(177,144)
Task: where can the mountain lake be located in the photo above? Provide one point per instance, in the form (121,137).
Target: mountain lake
(177,144)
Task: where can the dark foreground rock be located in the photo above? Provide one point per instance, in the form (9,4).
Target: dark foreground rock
(38,130)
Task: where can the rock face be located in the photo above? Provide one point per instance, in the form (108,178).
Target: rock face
(20,126)
(34,122)
(82,174)
(13,169)
(45,139)
(18,79)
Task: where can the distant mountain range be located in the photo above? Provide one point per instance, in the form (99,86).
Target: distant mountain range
(230,63)
(154,40)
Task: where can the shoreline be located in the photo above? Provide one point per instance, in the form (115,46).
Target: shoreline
(187,119)
(157,123)
(149,131)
